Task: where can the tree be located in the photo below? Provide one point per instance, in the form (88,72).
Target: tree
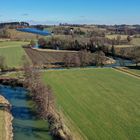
(118,39)
(40,93)
(67,60)
(42,43)
(43,97)
(113,50)
(136,55)
(76,61)
(32,43)
(129,39)
(85,57)
(121,61)
(100,58)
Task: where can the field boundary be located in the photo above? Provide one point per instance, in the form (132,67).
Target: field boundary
(51,50)
(126,71)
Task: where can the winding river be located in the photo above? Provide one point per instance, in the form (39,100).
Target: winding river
(26,124)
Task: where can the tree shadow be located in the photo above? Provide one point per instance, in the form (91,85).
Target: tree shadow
(134,67)
(5,107)
(30,131)
(24,113)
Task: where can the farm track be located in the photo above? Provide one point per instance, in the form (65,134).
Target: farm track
(126,71)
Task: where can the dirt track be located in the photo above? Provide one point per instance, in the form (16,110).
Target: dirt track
(122,70)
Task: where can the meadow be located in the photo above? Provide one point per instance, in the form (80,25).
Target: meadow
(13,52)
(99,104)
(9,44)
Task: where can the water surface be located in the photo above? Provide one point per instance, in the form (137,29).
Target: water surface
(26,124)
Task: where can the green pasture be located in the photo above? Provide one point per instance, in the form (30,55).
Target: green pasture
(13,52)
(101,104)
(5,44)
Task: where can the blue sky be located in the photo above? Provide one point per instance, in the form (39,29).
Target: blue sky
(71,11)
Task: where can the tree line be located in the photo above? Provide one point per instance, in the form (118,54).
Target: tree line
(44,100)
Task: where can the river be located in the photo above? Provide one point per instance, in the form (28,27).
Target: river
(26,125)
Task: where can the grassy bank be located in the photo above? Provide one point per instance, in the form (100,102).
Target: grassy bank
(2,125)
(135,71)
(101,104)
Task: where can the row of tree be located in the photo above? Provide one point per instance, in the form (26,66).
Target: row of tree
(4,33)
(44,100)
(91,44)
(84,58)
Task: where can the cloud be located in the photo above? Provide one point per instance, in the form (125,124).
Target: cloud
(25,14)
(44,22)
(82,16)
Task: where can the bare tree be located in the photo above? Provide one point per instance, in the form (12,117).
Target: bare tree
(100,58)
(67,60)
(85,57)
(118,39)
(129,39)
(136,55)
(43,97)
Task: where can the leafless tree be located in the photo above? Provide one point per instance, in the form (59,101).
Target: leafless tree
(100,58)
(118,39)
(67,60)
(136,55)
(85,57)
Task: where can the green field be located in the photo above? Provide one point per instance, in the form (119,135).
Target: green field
(2,123)
(4,44)
(13,52)
(101,104)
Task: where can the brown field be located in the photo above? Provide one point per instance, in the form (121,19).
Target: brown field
(47,57)
(21,35)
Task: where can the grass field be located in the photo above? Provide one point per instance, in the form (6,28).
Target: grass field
(13,52)
(101,104)
(2,125)
(8,44)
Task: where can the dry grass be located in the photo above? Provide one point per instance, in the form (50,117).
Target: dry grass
(115,36)
(2,125)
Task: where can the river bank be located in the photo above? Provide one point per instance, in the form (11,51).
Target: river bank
(26,124)
(5,107)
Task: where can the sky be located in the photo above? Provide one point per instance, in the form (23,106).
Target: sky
(71,11)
